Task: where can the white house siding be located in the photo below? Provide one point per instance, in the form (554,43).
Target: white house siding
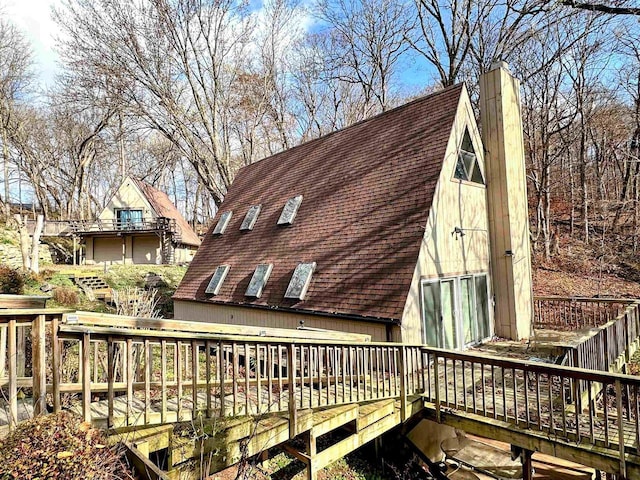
(455,204)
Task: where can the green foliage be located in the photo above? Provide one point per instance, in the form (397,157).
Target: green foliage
(11,280)
(59,447)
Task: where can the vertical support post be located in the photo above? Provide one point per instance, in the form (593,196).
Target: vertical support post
(527,465)
(620,411)
(291,373)
(110,379)
(86,377)
(312,472)
(436,379)
(3,349)
(403,370)
(13,375)
(221,370)
(38,360)
(195,375)
(21,349)
(130,379)
(55,360)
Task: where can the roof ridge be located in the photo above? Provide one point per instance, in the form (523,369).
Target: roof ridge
(394,110)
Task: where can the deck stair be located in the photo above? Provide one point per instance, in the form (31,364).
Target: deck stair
(93,286)
(225,443)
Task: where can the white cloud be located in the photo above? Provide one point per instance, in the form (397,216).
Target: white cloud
(33,18)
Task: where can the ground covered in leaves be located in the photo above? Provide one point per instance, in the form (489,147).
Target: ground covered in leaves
(62,447)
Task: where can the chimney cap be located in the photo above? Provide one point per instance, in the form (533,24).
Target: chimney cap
(500,64)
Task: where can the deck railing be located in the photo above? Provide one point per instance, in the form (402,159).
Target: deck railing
(126,376)
(538,396)
(575,313)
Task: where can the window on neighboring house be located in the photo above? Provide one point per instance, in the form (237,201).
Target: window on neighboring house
(259,280)
(251,217)
(223,221)
(127,218)
(217,279)
(467,166)
(300,281)
(455,311)
(290,210)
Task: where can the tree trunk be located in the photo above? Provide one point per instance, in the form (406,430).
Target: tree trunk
(24,241)
(35,244)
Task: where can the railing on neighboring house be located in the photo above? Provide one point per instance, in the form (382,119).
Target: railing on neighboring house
(155,224)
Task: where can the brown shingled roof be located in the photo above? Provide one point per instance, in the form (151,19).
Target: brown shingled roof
(367,194)
(164,207)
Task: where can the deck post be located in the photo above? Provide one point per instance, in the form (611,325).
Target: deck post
(291,373)
(13,375)
(312,471)
(55,361)
(403,382)
(527,465)
(620,412)
(39,371)
(111,366)
(86,377)
(437,387)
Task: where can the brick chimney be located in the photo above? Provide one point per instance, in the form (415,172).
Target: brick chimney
(507,201)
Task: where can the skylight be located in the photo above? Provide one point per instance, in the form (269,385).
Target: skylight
(300,281)
(259,280)
(217,279)
(223,221)
(251,217)
(467,167)
(289,210)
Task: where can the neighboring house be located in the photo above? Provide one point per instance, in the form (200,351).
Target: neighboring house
(386,228)
(139,225)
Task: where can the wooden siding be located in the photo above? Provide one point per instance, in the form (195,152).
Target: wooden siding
(455,204)
(195,311)
(127,196)
(146,250)
(507,201)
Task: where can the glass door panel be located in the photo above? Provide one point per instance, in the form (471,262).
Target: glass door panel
(467,306)
(431,313)
(482,307)
(447,299)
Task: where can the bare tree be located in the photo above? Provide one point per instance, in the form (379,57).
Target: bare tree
(366,40)
(15,77)
(173,63)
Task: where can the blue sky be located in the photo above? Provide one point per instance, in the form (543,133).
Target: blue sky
(33,18)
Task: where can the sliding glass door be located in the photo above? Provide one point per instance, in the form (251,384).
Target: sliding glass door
(455,311)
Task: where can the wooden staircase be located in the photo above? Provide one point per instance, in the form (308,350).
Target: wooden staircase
(94,287)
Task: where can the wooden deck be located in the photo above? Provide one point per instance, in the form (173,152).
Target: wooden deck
(131,375)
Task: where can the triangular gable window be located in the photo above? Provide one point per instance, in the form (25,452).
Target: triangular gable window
(467,167)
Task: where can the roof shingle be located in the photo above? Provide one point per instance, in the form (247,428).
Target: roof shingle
(367,194)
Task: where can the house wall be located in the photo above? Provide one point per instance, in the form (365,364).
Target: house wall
(127,196)
(104,250)
(146,249)
(184,254)
(455,204)
(203,312)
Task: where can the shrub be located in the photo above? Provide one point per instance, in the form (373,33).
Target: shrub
(66,296)
(11,281)
(59,446)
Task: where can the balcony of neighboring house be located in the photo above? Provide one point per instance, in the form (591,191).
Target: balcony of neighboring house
(126,223)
